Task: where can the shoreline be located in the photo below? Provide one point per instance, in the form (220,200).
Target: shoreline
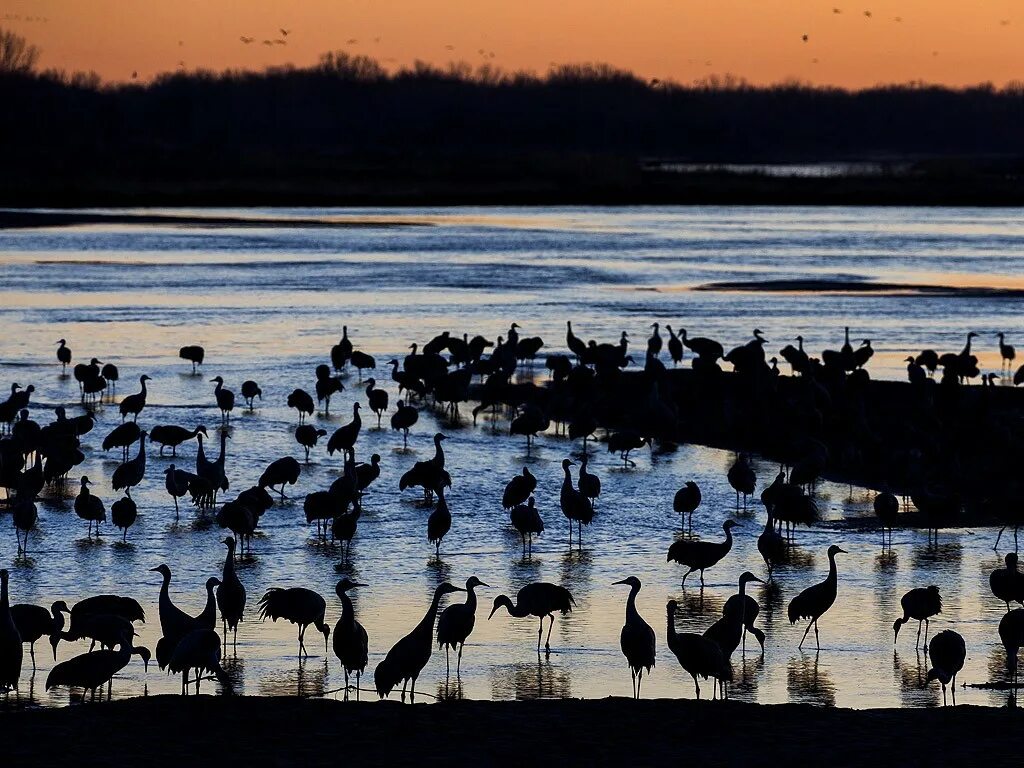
(30,219)
(266,730)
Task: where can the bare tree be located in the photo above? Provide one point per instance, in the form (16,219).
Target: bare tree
(17,56)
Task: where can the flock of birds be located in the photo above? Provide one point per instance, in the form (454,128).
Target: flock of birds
(34,456)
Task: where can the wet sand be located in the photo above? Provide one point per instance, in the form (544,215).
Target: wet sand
(248,731)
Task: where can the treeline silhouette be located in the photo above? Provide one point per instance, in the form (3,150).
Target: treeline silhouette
(348,130)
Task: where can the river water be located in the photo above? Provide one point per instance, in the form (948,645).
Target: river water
(268,303)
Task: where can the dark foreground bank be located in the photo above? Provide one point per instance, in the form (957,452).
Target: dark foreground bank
(249,730)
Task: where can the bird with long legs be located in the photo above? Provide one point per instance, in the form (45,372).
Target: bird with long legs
(407,658)
(1006,352)
(351,645)
(527,521)
(198,651)
(1011,635)
(230,594)
(813,602)
(948,652)
(575,506)
(133,471)
(132,405)
(540,599)
(455,624)
(302,607)
(1008,583)
(701,555)
(920,604)
(34,622)
(63,356)
(91,671)
(685,502)
(225,399)
(636,640)
(697,655)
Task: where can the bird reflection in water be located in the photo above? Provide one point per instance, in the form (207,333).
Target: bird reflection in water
(696,611)
(886,562)
(938,557)
(309,680)
(912,677)
(540,680)
(746,673)
(235,669)
(439,569)
(807,684)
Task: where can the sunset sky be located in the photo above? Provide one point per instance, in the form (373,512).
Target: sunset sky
(761,40)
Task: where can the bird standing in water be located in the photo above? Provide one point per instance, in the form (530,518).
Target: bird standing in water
(456,624)
(637,639)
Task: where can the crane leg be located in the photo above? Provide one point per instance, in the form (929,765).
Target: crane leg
(458,664)
(998,537)
(447,664)
(547,642)
(540,629)
(816,643)
(412,692)
(683,585)
(405,683)
(918,635)
(801,646)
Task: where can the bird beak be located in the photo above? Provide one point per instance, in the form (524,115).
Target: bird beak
(618,582)
(843,551)
(484,584)
(360,585)
(493,611)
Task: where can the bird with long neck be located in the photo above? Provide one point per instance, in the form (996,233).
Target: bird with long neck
(11,650)
(456,624)
(91,670)
(350,640)
(173,620)
(637,639)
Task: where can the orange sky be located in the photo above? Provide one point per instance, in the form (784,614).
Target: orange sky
(935,40)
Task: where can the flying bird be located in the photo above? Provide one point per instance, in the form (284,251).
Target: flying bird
(284,32)
(245,39)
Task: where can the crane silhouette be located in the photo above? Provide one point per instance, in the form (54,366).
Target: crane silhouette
(407,658)
(199,651)
(456,623)
(91,671)
(697,655)
(1011,634)
(686,500)
(948,652)
(700,555)
(540,599)
(230,594)
(133,404)
(132,472)
(34,621)
(89,507)
(519,489)
(298,605)
(11,651)
(637,639)
(350,641)
(814,601)
(920,604)
(575,506)
(527,520)
(1008,583)
(225,398)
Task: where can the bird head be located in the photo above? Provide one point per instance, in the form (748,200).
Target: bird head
(163,570)
(326,632)
(202,429)
(473,581)
(835,549)
(728,525)
(629,581)
(144,654)
(144,377)
(60,607)
(85,481)
(566,463)
(217,380)
(229,541)
(671,607)
(439,437)
(375,459)
(896,630)
(345,585)
(371,383)
(1011,560)
(938,674)
(654,326)
(499,601)
(212,582)
(747,576)
(356,407)
(446,588)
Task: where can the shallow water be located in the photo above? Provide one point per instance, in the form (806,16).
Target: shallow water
(268,304)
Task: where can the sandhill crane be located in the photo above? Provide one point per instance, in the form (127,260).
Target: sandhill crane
(686,500)
(302,402)
(455,624)
(1006,352)
(298,605)
(198,650)
(225,398)
(708,350)
(110,373)
(410,655)
(133,404)
(174,622)
(194,354)
(625,442)
(345,436)
(403,419)
(887,508)
(172,435)
(518,489)
(89,507)
(948,652)
(376,398)
(24,515)
(63,356)
(637,639)
(588,484)
(814,601)
(307,436)
(122,436)
(342,351)
(430,474)
(230,593)
(675,347)
(250,391)
(1011,634)
(350,641)
(131,473)
(176,483)
(90,671)
(11,651)
(281,472)
(1008,583)
(921,604)
(654,342)
(34,621)
(697,655)
(743,609)
(701,555)
(123,514)
(362,361)
(575,506)
(742,478)
(439,522)
(539,599)
(527,520)
(771,544)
